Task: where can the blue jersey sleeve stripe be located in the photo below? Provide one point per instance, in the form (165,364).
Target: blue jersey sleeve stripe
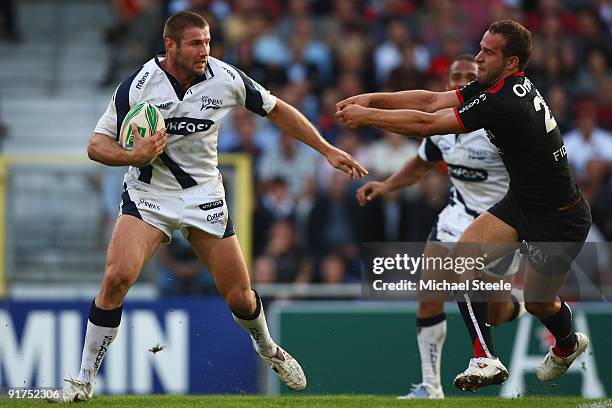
(253,100)
(432,152)
(122,100)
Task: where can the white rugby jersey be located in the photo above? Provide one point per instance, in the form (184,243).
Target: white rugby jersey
(477,173)
(192,118)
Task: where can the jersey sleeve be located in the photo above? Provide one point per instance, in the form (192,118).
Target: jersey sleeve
(484,111)
(253,96)
(123,99)
(468,92)
(107,124)
(429,151)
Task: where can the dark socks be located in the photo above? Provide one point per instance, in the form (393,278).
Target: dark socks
(104,318)
(475,312)
(560,325)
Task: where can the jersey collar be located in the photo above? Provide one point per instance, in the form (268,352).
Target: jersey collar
(176,85)
(495,88)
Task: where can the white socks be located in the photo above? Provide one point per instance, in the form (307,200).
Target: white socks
(258,329)
(102,327)
(97,341)
(431,340)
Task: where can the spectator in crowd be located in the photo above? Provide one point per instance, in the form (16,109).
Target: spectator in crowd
(291,262)
(290,162)
(274,204)
(588,142)
(406,76)
(605,102)
(264,270)
(334,270)
(388,55)
(134,38)
(390,153)
(180,273)
(557,100)
(243,136)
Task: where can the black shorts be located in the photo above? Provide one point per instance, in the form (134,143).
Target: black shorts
(551,239)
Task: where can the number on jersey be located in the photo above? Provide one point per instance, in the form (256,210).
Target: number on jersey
(549,120)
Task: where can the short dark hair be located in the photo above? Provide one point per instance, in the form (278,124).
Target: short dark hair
(462,57)
(518,40)
(177,23)
(465,57)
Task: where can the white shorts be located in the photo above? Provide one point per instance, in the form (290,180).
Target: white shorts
(451,223)
(202,207)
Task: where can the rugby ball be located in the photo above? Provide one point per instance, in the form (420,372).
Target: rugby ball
(147,118)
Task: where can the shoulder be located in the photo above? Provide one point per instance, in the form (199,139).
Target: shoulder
(138,80)
(226,71)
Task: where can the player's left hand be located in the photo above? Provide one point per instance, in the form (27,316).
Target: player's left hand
(353,115)
(345,162)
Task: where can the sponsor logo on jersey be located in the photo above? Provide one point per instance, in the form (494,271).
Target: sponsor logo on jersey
(444,145)
(560,153)
(477,154)
(230,73)
(145,203)
(523,89)
(165,106)
(467,173)
(211,103)
(185,126)
(210,206)
(215,218)
(142,80)
(473,102)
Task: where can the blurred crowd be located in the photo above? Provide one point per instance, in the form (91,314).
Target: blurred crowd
(307,223)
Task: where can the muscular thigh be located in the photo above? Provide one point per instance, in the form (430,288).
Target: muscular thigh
(223,258)
(132,244)
(487,235)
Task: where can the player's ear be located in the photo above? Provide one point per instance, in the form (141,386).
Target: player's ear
(512,62)
(169,43)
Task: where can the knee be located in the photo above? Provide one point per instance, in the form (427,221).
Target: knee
(540,309)
(241,301)
(118,279)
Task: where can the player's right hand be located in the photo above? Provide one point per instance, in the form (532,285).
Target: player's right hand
(370,191)
(147,148)
(362,100)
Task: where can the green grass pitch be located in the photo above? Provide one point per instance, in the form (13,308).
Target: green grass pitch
(335,401)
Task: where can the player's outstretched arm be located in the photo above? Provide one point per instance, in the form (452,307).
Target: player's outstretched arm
(418,99)
(405,122)
(412,172)
(292,122)
(105,150)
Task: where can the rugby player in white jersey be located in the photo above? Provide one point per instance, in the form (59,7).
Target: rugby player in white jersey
(182,188)
(479,180)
